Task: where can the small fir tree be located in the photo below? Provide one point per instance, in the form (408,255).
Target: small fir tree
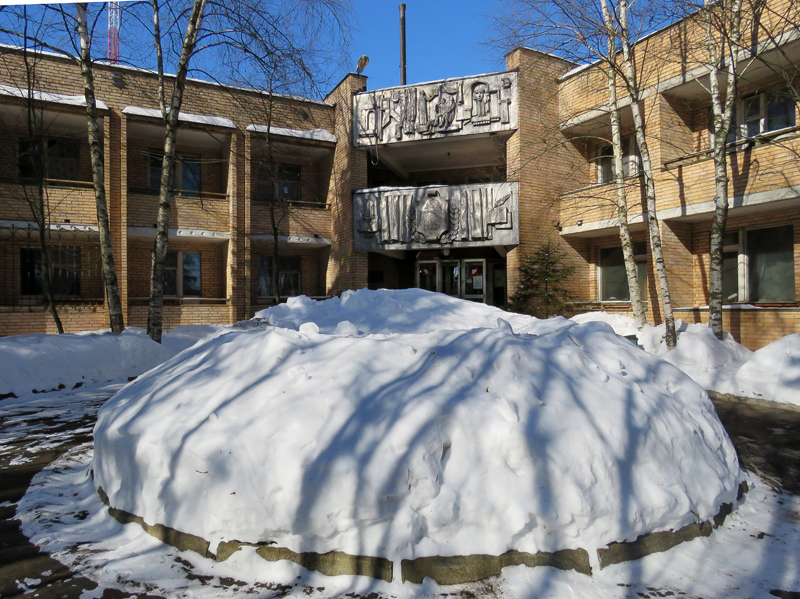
(542,276)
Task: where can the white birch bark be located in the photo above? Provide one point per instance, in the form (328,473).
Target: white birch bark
(722,83)
(619,172)
(155,316)
(631,83)
(115,315)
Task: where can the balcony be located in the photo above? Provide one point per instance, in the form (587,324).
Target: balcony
(440,216)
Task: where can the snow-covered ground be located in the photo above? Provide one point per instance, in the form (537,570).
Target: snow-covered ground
(463,409)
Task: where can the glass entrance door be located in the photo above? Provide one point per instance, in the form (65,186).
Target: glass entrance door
(466,279)
(451,278)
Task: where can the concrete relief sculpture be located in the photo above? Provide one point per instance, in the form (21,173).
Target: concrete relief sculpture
(416,218)
(453,107)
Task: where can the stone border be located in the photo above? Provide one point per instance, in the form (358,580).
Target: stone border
(755,401)
(444,570)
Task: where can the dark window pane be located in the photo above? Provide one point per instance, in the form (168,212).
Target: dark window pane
(171,273)
(66,279)
(190,186)
(31,159)
(62,159)
(771,256)
(155,171)
(427,277)
(289,268)
(191,274)
(780,113)
(613,280)
(30,271)
(730,277)
(606,162)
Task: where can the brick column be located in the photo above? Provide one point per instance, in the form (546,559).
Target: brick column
(538,158)
(237,280)
(115,134)
(347,269)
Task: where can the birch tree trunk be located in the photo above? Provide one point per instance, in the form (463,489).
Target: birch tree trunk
(37,201)
(631,83)
(155,316)
(115,315)
(619,171)
(722,83)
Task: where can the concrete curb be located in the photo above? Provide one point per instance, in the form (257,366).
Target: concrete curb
(444,570)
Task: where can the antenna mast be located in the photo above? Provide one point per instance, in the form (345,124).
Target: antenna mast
(113,32)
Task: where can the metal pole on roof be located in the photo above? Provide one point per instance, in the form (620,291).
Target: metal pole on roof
(402,44)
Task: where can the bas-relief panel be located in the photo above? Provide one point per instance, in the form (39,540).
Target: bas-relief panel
(420,217)
(440,109)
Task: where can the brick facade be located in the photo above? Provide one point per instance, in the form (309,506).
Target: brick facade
(552,154)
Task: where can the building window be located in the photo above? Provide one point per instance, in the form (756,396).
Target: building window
(761,113)
(183,274)
(188,170)
(53,158)
(65,279)
(288,276)
(612,279)
(758,265)
(630,161)
(278,183)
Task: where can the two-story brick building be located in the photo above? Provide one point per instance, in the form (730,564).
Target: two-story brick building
(443,185)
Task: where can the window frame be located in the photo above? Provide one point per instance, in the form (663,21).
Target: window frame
(66,272)
(740,121)
(155,163)
(180,273)
(270,178)
(631,161)
(294,269)
(640,257)
(47,145)
(744,279)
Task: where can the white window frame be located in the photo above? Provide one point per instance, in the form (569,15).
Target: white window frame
(738,130)
(743,262)
(631,161)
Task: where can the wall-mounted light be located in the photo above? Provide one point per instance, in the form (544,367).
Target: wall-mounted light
(446,251)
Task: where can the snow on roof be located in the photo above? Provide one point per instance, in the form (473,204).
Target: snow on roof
(213,121)
(315,134)
(19,92)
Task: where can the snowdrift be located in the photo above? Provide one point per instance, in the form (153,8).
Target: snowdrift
(36,363)
(344,435)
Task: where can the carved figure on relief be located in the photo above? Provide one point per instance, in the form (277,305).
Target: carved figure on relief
(505,101)
(481,104)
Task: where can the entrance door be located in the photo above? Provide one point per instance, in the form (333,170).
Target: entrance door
(466,279)
(451,277)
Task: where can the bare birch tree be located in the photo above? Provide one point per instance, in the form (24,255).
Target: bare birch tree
(619,170)
(722,50)
(170,113)
(115,315)
(80,54)
(634,93)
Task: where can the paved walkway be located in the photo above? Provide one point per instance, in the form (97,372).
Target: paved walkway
(767,439)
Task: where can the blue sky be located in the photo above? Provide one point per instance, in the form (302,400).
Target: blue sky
(444,38)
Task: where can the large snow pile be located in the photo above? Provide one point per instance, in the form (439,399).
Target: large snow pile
(771,373)
(43,362)
(447,441)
